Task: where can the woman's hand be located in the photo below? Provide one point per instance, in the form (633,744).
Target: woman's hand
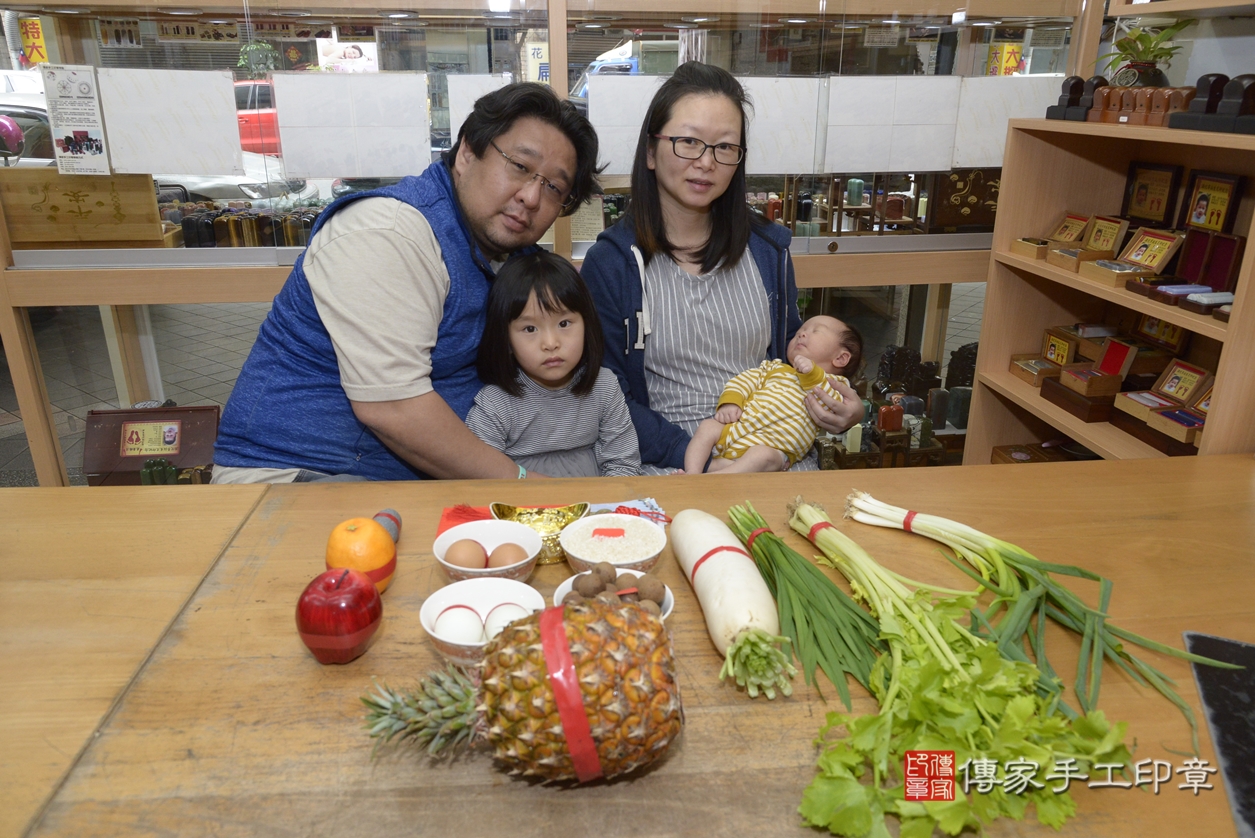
(833,416)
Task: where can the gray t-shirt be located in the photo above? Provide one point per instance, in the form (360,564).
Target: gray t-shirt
(558,433)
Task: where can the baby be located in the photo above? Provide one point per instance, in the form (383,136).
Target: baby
(761,423)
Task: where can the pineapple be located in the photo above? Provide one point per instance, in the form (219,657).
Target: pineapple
(626,673)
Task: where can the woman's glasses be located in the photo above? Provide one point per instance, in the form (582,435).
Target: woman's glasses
(691,148)
(523,174)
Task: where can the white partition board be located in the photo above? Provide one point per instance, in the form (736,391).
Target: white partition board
(353,124)
(782,129)
(891,123)
(617,107)
(171,121)
(985,105)
(464,90)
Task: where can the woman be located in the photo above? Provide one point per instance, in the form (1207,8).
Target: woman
(691,287)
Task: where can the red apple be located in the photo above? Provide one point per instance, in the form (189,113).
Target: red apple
(337,615)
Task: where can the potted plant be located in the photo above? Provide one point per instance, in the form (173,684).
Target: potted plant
(1139,53)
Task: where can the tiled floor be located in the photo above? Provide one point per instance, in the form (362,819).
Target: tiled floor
(967,305)
(201,349)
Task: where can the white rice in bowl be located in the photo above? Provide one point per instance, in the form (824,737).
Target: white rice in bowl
(641,541)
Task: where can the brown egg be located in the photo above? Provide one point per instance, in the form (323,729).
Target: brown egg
(507,554)
(467,553)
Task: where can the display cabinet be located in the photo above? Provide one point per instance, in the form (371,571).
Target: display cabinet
(786,40)
(1053,167)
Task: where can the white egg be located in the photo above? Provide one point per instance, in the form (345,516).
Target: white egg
(501,616)
(460,624)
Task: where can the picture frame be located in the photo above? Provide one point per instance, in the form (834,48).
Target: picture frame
(1182,381)
(1211,201)
(1071,229)
(1161,333)
(1106,234)
(1203,405)
(1150,194)
(1058,349)
(1151,249)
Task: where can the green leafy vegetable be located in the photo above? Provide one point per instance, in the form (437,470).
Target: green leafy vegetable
(1017,577)
(942,687)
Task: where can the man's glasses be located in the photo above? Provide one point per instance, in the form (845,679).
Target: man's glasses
(691,148)
(522,173)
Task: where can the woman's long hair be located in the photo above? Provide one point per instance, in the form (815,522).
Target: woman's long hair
(729,215)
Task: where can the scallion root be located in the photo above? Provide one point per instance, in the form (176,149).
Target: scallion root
(758,664)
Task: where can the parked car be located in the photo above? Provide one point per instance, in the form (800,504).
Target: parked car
(255,110)
(262,183)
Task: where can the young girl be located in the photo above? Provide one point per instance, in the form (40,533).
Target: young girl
(546,402)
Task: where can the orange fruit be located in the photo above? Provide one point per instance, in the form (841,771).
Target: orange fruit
(363,544)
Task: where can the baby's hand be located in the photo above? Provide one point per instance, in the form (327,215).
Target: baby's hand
(803,364)
(728,413)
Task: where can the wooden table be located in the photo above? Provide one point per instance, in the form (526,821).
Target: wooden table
(93,580)
(233,729)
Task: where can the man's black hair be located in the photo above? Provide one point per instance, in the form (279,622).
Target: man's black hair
(495,113)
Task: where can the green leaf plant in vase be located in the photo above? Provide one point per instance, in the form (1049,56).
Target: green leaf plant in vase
(1139,54)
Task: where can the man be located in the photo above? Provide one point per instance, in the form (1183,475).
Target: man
(365,367)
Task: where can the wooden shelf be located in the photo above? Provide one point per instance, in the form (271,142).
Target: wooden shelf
(1102,438)
(1181,8)
(1051,167)
(1197,323)
(1142,133)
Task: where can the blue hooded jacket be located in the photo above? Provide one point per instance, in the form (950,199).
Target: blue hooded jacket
(614,271)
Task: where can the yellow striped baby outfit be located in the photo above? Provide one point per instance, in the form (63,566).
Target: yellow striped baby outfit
(772,411)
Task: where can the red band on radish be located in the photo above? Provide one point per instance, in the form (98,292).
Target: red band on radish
(608,532)
(384,571)
(394,519)
(338,642)
(729,549)
(822,525)
(906,522)
(567,696)
(749,542)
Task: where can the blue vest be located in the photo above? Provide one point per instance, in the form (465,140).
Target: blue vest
(288,410)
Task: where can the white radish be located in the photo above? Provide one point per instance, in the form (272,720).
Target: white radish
(741,615)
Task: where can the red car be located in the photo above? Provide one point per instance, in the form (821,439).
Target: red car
(255,108)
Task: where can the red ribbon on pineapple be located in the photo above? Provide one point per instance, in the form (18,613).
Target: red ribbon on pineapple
(567,695)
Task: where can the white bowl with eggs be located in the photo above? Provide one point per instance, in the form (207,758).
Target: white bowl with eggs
(637,549)
(668,601)
(490,536)
(451,614)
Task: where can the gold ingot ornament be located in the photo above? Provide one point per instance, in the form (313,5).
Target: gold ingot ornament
(547,521)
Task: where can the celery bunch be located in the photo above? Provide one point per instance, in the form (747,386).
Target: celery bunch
(941,687)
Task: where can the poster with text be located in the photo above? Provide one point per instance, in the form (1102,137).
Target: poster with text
(78,132)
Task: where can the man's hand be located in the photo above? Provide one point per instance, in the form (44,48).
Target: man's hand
(426,433)
(728,413)
(831,415)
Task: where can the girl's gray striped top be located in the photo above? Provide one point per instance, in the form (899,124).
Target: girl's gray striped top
(557,433)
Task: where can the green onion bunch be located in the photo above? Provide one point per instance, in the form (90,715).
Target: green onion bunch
(1025,588)
(827,629)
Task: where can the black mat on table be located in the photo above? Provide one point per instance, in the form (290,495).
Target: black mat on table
(1229,703)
